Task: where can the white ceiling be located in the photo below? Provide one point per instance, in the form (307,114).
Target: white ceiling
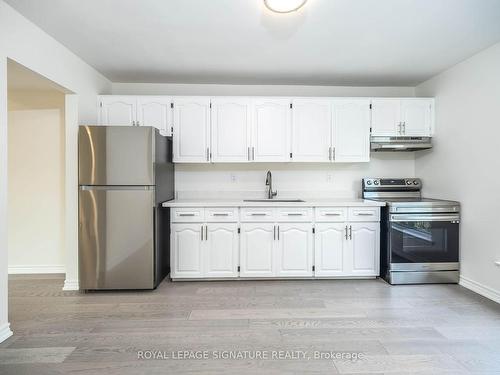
(328,42)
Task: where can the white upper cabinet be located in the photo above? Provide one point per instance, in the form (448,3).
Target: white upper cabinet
(403,117)
(271,118)
(191,136)
(351,130)
(417,116)
(155,111)
(117,110)
(231,130)
(311,130)
(386,117)
(270,129)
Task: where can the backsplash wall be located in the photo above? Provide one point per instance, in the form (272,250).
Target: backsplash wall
(302,180)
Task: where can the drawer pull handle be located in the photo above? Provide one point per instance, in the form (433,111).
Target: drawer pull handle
(258,214)
(364,213)
(221,214)
(186,214)
(330,214)
(297,214)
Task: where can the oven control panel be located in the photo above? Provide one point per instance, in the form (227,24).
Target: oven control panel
(392,184)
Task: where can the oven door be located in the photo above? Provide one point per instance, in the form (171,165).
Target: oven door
(424,241)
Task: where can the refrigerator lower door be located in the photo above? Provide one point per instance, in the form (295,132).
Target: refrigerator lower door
(116,237)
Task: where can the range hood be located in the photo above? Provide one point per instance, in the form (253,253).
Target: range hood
(400,143)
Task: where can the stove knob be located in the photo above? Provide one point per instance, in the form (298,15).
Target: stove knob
(408,182)
(368,182)
(376,182)
(415,182)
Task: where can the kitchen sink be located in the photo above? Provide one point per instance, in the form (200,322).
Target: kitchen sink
(274,200)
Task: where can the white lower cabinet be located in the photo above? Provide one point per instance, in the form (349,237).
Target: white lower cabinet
(294,249)
(336,247)
(186,250)
(364,249)
(204,250)
(257,243)
(329,249)
(220,253)
(347,249)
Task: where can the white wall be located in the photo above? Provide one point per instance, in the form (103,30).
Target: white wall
(27,44)
(298,180)
(465,165)
(271,90)
(36,182)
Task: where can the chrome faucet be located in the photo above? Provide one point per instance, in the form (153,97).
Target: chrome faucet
(269,183)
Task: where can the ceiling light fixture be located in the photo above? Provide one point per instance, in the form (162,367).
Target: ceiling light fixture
(284,6)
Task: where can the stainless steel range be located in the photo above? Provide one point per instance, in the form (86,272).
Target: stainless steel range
(419,236)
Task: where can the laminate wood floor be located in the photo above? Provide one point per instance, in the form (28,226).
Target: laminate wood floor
(298,327)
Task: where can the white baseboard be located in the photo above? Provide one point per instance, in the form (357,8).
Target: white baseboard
(5,332)
(481,289)
(71,285)
(37,268)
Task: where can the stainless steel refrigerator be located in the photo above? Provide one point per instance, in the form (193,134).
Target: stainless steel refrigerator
(125,173)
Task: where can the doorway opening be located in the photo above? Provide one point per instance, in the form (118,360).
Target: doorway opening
(36,175)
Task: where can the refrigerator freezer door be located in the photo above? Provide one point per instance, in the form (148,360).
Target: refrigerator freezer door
(116,155)
(116,238)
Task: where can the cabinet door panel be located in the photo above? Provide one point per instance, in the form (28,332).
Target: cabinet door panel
(156,112)
(416,115)
(257,250)
(365,249)
(386,117)
(221,252)
(191,130)
(311,130)
(329,249)
(231,130)
(351,124)
(186,247)
(271,130)
(117,110)
(294,249)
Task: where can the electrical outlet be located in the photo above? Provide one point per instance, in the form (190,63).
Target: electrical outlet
(329,177)
(232,177)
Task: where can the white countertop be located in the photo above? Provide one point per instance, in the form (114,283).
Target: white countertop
(240,203)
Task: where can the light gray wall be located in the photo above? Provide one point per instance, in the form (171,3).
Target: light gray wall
(22,41)
(465,164)
(259,90)
(298,180)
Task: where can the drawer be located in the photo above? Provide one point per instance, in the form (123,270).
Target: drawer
(364,214)
(331,214)
(221,214)
(257,214)
(294,214)
(187,215)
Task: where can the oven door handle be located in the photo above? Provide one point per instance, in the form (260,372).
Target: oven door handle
(424,217)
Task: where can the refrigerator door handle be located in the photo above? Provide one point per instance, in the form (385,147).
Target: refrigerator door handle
(115,187)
